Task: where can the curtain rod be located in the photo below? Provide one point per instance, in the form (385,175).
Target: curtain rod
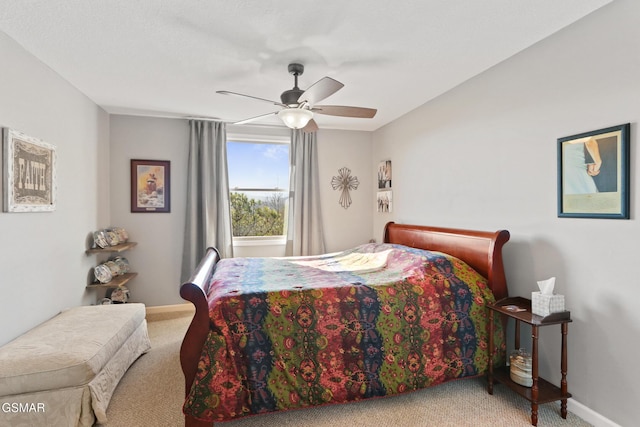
(205,119)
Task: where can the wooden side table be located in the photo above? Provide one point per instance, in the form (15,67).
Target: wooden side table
(541,391)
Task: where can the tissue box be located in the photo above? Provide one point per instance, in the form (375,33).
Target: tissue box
(544,305)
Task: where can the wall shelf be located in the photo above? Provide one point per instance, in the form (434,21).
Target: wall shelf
(116,282)
(110,249)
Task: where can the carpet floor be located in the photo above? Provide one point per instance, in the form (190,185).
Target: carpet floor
(151,394)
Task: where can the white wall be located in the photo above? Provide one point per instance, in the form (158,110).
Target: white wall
(44,268)
(484,156)
(157,257)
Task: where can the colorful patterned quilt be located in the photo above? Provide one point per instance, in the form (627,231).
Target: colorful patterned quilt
(376,320)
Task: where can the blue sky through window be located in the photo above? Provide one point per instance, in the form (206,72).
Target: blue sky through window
(258,165)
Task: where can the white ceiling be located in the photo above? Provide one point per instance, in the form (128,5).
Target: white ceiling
(168,57)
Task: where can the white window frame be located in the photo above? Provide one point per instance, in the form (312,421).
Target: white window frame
(263,138)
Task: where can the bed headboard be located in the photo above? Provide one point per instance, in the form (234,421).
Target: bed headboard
(482,250)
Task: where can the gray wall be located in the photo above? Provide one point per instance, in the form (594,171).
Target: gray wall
(44,268)
(346,228)
(157,257)
(484,156)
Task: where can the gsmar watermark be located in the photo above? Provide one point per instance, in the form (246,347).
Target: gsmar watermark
(16,407)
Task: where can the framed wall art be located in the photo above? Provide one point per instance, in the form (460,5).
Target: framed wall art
(345,182)
(29,173)
(593,174)
(384,174)
(385,201)
(150,186)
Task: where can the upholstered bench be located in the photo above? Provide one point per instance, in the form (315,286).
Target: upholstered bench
(64,371)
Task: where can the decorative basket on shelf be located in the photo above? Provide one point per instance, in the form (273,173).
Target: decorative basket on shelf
(520,368)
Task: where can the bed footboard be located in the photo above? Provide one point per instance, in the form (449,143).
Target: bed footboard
(194,291)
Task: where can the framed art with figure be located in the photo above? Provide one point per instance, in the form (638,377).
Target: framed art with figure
(593,174)
(384,174)
(150,186)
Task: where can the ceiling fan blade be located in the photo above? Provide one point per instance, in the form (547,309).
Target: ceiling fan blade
(320,90)
(344,111)
(226,92)
(312,126)
(253,119)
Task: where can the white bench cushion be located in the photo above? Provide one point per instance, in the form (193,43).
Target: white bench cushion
(68,350)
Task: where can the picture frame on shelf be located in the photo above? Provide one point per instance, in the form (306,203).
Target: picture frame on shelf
(593,174)
(29,173)
(150,186)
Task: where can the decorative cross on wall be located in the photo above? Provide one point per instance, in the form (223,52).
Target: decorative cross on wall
(344,182)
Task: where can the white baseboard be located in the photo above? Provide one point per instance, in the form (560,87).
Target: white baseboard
(589,415)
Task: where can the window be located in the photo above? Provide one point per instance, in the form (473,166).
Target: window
(259,186)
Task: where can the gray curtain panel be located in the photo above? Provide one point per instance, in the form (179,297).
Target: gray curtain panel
(304,224)
(208,216)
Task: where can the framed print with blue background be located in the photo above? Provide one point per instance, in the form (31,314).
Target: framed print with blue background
(593,174)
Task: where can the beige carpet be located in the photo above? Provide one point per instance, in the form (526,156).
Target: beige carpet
(151,394)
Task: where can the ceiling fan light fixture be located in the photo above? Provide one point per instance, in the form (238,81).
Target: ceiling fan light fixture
(295,118)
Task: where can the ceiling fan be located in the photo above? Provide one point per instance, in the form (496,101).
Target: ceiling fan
(299,106)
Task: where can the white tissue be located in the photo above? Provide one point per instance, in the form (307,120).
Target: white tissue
(545,302)
(546,286)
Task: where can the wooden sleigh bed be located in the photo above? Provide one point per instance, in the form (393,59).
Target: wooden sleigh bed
(388,340)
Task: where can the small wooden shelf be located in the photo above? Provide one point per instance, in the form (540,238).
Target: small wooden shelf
(117,248)
(116,282)
(547,392)
(527,316)
(542,391)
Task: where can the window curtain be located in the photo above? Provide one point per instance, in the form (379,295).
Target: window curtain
(208,216)
(304,222)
